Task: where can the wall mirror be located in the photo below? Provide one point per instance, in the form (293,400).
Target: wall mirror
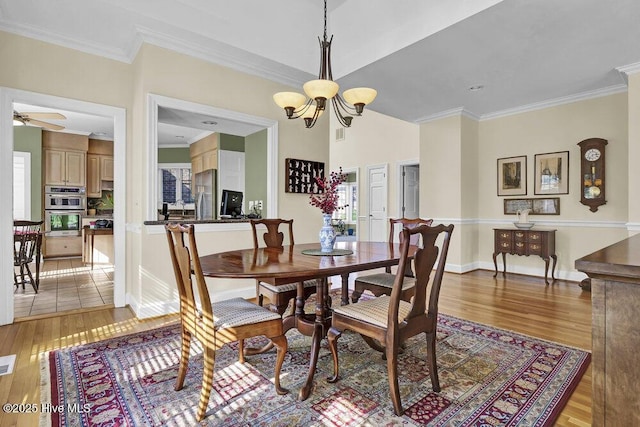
(187,181)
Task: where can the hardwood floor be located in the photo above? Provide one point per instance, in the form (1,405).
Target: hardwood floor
(560,312)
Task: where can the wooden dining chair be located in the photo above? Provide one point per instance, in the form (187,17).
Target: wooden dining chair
(281,295)
(27,244)
(392,321)
(217,324)
(381,283)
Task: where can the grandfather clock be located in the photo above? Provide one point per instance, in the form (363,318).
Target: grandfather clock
(592,172)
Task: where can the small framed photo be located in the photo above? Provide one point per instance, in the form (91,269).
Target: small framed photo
(512,176)
(512,206)
(551,171)
(546,206)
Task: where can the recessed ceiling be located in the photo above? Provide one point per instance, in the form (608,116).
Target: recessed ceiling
(422,57)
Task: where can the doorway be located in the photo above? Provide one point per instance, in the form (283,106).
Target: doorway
(118,117)
(409,189)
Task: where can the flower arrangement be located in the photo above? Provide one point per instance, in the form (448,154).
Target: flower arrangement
(327,199)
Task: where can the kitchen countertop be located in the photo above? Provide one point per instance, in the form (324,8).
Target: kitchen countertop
(198,221)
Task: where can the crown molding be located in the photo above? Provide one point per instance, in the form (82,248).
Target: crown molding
(208,50)
(58,39)
(629,69)
(611,90)
(446,114)
(226,55)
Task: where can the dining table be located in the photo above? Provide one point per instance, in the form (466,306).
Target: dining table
(300,262)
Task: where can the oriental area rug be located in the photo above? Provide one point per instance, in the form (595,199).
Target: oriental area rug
(488,376)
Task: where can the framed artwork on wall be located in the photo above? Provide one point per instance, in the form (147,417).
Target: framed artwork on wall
(512,176)
(300,176)
(538,206)
(551,171)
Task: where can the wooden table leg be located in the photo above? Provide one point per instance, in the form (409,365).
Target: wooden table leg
(546,269)
(553,268)
(92,236)
(345,289)
(504,264)
(495,263)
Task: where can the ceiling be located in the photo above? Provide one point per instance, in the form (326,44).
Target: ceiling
(423,57)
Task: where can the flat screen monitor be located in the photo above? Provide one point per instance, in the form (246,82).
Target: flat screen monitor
(231,204)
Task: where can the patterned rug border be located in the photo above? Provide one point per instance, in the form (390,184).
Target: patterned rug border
(48,395)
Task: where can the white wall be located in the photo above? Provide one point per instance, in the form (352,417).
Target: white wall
(374,139)
(559,128)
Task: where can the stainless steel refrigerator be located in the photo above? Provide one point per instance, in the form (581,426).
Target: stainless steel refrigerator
(205,194)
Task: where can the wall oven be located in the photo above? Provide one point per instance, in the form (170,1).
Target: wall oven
(63,198)
(64,208)
(63,223)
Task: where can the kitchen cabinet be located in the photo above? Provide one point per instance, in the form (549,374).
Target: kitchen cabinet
(64,167)
(106,168)
(204,154)
(615,296)
(62,246)
(99,168)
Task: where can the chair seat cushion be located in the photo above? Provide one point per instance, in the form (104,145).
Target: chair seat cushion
(238,311)
(374,311)
(288,287)
(386,280)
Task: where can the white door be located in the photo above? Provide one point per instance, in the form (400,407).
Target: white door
(377,203)
(411,191)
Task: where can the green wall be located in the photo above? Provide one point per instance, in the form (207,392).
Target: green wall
(174,155)
(232,142)
(255,162)
(29,139)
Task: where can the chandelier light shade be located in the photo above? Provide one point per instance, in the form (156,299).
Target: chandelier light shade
(323,88)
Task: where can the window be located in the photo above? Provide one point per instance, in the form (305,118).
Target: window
(21,185)
(347,197)
(174,186)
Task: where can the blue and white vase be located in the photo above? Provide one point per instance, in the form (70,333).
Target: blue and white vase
(327,234)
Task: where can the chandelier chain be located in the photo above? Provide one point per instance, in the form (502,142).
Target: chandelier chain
(325,20)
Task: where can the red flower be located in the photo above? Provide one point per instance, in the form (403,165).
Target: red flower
(327,199)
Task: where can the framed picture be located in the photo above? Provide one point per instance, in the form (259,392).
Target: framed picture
(546,206)
(301,176)
(512,176)
(512,206)
(538,206)
(551,171)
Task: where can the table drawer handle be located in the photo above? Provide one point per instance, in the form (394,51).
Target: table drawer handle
(520,234)
(504,235)
(505,245)
(520,245)
(534,236)
(535,247)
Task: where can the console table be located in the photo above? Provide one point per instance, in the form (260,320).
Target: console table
(515,241)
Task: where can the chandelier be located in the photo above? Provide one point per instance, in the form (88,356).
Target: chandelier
(297,105)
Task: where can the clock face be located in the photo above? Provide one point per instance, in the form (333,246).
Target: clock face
(592,154)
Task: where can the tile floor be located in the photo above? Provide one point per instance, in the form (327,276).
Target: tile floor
(65,284)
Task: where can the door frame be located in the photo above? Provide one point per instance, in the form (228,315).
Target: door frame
(7,97)
(355,170)
(400,180)
(384,166)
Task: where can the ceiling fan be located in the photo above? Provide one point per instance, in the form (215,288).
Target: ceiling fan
(32,119)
